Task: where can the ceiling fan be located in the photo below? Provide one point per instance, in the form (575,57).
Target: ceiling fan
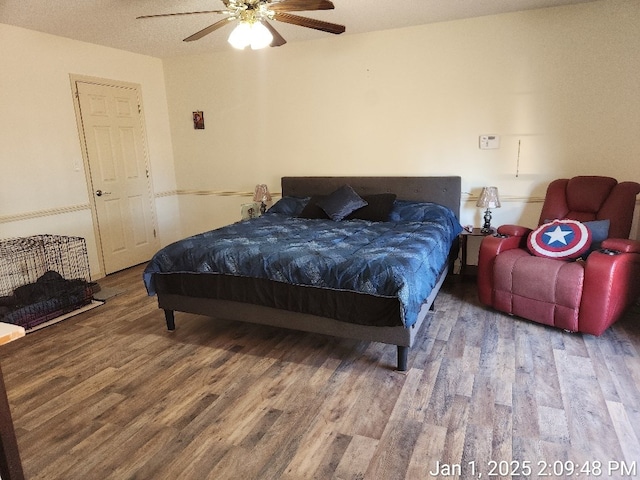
(253,16)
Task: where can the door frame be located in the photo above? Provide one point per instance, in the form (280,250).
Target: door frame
(74,78)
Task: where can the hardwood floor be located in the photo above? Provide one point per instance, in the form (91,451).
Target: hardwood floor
(111,394)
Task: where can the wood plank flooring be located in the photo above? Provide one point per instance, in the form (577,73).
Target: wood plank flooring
(111,394)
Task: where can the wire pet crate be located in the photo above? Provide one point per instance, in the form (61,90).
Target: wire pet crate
(42,277)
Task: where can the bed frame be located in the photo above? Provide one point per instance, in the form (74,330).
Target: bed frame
(443,190)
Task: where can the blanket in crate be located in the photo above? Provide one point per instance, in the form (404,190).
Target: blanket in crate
(48,297)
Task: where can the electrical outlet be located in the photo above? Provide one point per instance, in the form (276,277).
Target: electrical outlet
(489,142)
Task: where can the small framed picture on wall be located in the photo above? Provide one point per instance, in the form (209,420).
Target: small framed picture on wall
(198,120)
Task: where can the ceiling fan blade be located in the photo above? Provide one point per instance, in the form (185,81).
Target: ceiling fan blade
(309,23)
(181,13)
(278,40)
(300,5)
(207,30)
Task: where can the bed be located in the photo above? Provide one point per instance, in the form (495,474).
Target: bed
(355,278)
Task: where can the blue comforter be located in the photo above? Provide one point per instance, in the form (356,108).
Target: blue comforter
(400,258)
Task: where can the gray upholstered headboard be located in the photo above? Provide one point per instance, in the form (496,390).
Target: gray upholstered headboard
(443,190)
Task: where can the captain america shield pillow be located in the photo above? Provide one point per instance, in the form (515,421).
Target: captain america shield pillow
(560,239)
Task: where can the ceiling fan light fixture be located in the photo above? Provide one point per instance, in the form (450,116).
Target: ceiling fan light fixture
(260,36)
(240,36)
(254,34)
(253,18)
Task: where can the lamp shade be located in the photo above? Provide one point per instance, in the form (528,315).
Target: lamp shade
(489,198)
(261,194)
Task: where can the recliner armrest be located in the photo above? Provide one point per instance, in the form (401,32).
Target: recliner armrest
(622,245)
(610,284)
(514,230)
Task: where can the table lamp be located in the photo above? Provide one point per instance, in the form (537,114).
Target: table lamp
(488,199)
(263,196)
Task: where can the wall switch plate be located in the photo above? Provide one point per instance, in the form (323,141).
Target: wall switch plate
(489,142)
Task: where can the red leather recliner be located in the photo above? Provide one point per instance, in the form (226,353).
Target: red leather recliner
(583,296)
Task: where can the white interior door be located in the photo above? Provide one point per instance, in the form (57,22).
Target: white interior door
(116,155)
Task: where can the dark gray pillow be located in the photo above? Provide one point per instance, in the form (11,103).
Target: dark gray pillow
(377,210)
(289,206)
(599,232)
(312,210)
(341,203)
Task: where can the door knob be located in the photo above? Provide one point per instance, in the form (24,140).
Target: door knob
(99,193)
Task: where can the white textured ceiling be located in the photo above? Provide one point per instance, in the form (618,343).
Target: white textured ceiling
(113,22)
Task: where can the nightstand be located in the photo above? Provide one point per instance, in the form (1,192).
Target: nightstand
(470,242)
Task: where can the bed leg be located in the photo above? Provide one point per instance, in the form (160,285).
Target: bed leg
(403,356)
(169,317)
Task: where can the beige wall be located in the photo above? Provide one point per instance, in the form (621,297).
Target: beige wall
(561,83)
(43,187)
